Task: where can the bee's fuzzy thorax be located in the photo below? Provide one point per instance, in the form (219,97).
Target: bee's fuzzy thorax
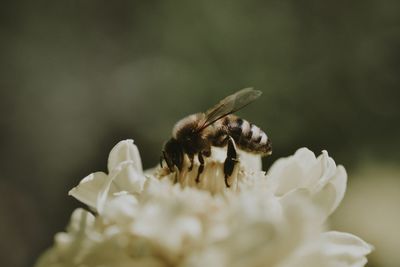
(187,122)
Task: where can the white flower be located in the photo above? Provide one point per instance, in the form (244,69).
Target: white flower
(273,219)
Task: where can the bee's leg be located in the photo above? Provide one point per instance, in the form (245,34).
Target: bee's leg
(191,158)
(161,160)
(201,166)
(206,152)
(231,159)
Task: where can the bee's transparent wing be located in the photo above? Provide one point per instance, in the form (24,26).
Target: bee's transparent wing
(229,104)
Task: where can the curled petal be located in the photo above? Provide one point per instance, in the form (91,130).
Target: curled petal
(123,178)
(321,172)
(87,191)
(332,249)
(325,181)
(95,189)
(289,173)
(345,247)
(125,150)
(332,193)
(126,175)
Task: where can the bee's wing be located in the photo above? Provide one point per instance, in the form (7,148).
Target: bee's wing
(228,105)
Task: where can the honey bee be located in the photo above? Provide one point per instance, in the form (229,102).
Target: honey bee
(195,134)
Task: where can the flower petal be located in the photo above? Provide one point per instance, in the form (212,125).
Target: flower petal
(330,196)
(339,181)
(87,191)
(126,174)
(289,173)
(167,226)
(321,172)
(123,178)
(125,150)
(345,247)
(121,209)
(333,249)
(127,178)
(325,181)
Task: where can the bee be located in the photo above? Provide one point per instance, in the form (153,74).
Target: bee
(195,134)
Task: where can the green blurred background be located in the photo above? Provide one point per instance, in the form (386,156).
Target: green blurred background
(78,76)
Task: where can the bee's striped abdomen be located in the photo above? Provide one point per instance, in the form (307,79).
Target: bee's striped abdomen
(247,136)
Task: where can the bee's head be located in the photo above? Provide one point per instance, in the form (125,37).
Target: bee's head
(173,154)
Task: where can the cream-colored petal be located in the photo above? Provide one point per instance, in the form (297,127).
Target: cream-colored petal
(80,220)
(121,210)
(304,157)
(325,181)
(250,161)
(125,150)
(289,173)
(345,247)
(166,226)
(331,194)
(332,249)
(127,178)
(339,181)
(320,173)
(285,176)
(123,178)
(126,174)
(87,191)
